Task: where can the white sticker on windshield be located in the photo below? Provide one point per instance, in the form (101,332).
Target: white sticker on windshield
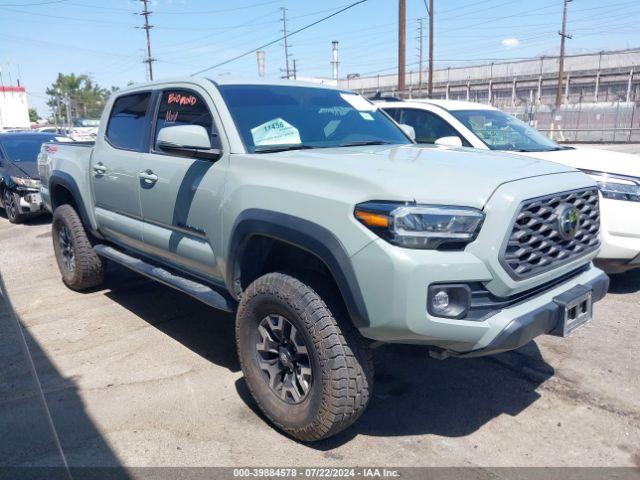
(359,103)
(275,132)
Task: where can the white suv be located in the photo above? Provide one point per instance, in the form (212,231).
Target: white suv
(466,124)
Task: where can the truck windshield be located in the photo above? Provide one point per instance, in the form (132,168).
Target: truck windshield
(273,118)
(504,132)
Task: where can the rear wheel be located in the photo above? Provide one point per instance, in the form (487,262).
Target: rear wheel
(306,365)
(11,203)
(80,266)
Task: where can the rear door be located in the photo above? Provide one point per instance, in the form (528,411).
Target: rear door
(180,206)
(115,166)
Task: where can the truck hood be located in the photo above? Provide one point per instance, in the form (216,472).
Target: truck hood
(23,169)
(606,161)
(425,174)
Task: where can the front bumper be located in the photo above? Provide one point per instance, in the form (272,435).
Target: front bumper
(544,319)
(394,284)
(620,236)
(30,201)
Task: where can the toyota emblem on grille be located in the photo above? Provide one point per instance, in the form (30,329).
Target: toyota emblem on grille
(568,221)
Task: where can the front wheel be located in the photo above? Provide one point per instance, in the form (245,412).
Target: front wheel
(80,266)
(305,364)
(11,203)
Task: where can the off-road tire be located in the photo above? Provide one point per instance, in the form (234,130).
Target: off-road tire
(88,268)
(11,203)
(341,359)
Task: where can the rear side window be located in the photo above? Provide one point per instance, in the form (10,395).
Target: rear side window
(184,107)
(394,113)
(127,122)
(428,126)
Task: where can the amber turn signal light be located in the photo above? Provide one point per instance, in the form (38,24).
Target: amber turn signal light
(375,220)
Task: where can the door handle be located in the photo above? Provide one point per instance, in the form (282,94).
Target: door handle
(99,169)
(148,176)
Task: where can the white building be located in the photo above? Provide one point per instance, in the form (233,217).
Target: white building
(14,111)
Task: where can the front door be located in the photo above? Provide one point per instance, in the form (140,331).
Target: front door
(180,196)
(115,165)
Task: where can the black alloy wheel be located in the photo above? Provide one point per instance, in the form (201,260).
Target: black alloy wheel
(284,359)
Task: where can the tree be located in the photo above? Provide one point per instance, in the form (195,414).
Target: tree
(77,94)
(33,115)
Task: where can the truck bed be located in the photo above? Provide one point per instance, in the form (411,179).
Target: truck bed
(72,158)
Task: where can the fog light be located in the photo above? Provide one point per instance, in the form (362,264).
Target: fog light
(449,301)
(440,302)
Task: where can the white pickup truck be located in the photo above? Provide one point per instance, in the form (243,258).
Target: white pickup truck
(457,123)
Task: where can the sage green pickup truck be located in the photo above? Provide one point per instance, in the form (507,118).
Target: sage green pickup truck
(315,218)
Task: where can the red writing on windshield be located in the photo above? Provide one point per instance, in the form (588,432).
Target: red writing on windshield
(170,116)
(182,99)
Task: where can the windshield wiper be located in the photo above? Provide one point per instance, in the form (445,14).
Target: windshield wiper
(281,148)
(365,142)
(536,150)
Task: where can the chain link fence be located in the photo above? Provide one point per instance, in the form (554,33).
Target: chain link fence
(583,122)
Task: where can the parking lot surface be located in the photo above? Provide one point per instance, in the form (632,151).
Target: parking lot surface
(137,374)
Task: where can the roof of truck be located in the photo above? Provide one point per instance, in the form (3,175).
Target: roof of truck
(261,81)
(228,81)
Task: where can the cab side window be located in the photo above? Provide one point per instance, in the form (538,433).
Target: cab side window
(428,126)
(127,121)
(184,107)
(394,113)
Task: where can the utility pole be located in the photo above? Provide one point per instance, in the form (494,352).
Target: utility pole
(563,35)
(430,80)
(149,60)
(420,57)
(402,43)
(286,41)
(295,74)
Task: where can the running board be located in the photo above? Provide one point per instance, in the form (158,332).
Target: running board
(197,290)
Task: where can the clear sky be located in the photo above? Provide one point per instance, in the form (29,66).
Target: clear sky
(39,38)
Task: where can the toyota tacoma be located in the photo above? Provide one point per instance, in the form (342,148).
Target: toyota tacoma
(315,218)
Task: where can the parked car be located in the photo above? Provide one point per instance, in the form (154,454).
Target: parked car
(306,211)
(84,129)
(19,179)
(52,129)
(484,127)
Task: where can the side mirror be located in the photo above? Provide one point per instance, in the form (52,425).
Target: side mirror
(409,131)
(187,140)
(452,141)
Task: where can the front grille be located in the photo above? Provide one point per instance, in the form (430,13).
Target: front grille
(535,243)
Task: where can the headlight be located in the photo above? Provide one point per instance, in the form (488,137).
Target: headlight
(421,226)
(26,182)
(617,187)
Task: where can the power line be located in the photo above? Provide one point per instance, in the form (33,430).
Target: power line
(31,4)
(249,52)
(194,12)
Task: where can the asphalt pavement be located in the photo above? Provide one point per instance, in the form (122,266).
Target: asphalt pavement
(137,374)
